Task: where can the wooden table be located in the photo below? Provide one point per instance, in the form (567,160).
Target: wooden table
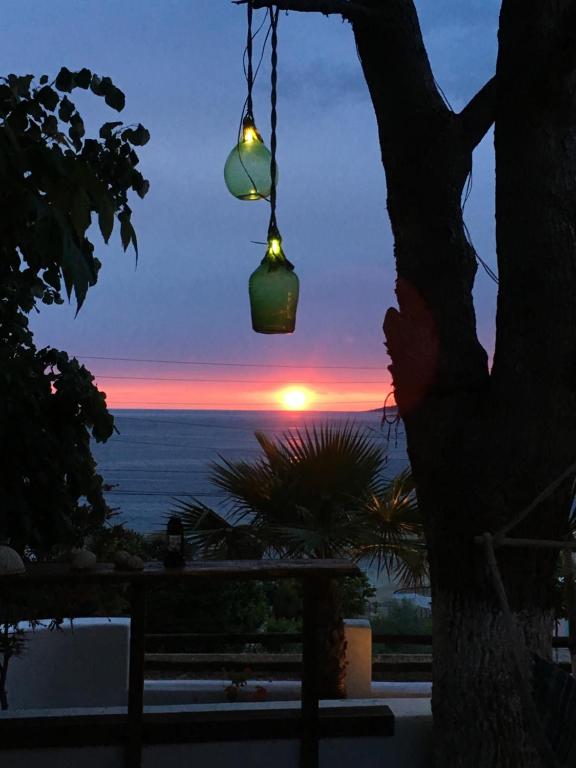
(315,575)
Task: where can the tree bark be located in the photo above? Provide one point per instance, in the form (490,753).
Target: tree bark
(332,650)
(477,707)
(3,675)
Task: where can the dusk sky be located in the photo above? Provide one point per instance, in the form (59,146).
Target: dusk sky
(179,63)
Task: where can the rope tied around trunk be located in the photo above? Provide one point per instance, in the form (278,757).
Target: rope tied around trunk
(520,654)
(548,491)
(521,658)
(499,539)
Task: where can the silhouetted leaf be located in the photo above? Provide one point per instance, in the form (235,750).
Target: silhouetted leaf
(83,78)
(66,109)
(18,120)
(50,125)
(96,85)
(138,136)
(24,85)
(100,85)
(140,185)
(6,98)
(80,213)
(106,217)
(48,98)
(125,229)
(79,273)
(64,80)
(108,128)
(115,98)
(76,130)
(134,240)
(144,189)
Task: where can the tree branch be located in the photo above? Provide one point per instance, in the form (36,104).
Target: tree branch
(478,115)
(344,8)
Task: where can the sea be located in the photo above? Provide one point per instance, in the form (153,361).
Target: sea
(158,457)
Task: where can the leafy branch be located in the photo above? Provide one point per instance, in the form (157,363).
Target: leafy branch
(54,180)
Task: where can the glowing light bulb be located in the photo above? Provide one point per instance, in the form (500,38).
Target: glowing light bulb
(274,289)
(247,170)
(274,246)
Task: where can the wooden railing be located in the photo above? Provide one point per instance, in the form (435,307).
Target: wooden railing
(180,641)
(314,574)
(196,653)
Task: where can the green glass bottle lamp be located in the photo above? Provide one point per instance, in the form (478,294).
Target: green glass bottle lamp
(247,169)
(273,290)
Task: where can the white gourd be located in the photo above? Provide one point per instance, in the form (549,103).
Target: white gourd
(10,561)
(124,561)
(83,560)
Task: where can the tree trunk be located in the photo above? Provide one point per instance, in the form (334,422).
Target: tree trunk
(477,705)
(6,656)
(332,651)
(3,692)
(482,445)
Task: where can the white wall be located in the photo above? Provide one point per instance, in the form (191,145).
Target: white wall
(83,665)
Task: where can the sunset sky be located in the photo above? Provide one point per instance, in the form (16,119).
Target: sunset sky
(175,331)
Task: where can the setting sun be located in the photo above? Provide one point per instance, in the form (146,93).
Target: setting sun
(295,398)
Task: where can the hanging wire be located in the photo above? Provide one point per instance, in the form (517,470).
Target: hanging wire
(254,36)
(467,190)
(249,73)
(486,267)
(273,227)
(489,271)
(395,417)
(442,94)
(267,35)
(392,421)
(244,112)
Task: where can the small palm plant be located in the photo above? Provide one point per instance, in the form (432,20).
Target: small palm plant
(314,493)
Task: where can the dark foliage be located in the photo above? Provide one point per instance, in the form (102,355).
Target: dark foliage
(318,493)
(53,182)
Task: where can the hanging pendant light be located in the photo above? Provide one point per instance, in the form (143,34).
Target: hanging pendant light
(274,287)
(273,290)
(247,169)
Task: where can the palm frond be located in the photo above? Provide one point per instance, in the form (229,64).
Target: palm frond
(342,459)
(316,492)
(213,537)
(247,485)
(205,530)
(274,455)
(393,535)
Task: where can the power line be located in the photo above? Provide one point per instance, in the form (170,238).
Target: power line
(209,425)
(145,442)
(193,424)
(163,493)
(245,450)
(229,381)
(155,471)
(234,365)
(205,472)
(222,405)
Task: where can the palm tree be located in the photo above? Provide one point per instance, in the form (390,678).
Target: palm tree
(314,493)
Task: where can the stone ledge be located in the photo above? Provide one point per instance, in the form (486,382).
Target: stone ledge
(192,724)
